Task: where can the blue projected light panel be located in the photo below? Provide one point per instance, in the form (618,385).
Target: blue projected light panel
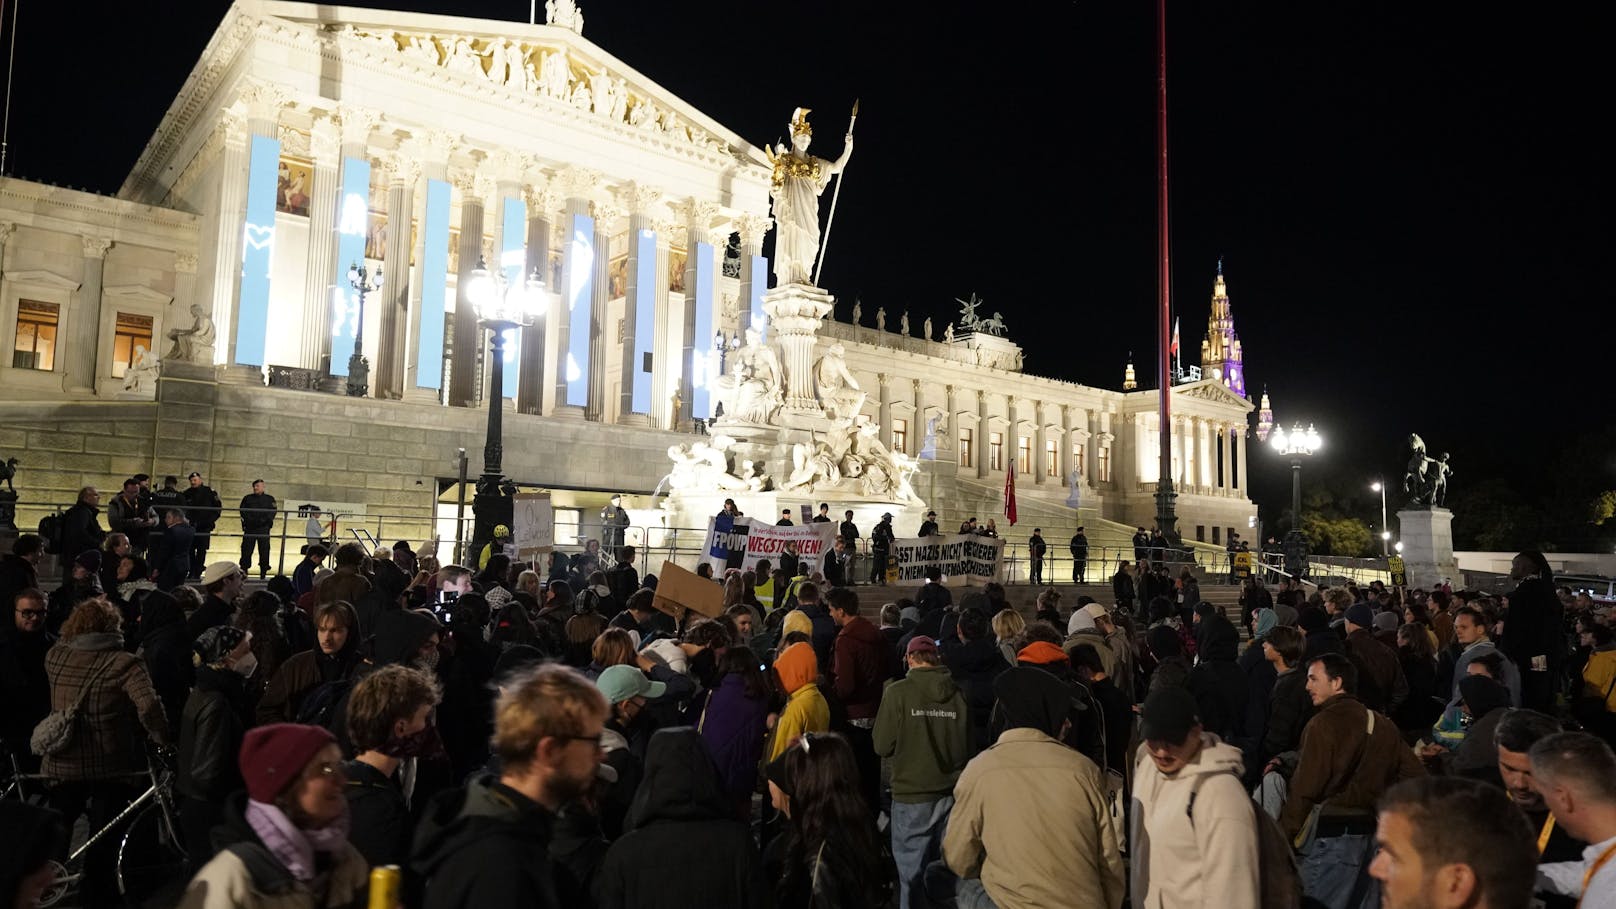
(353,214)
(644,319)
(704,360)
(512,259)
(257,250)
(760,284)
(434,286)
(580,293)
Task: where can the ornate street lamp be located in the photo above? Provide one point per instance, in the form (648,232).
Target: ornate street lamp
(500,308)
(358,366)
(1296,444)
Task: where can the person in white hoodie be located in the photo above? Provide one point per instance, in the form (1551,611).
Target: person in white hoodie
(1194,836)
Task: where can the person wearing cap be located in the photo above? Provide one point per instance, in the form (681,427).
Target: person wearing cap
(626,689)
(487,843)
(216,717)
(785,519)
(1031,824)
(223,583)
(1079,548)
(283,842)
(1381,684)
(1084,628)
(1193,841)
(880,546)
(928,527)
(202,506)
(90,672)
(923,729)
(797,670)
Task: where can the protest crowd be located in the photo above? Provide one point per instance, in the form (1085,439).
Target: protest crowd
(561,734)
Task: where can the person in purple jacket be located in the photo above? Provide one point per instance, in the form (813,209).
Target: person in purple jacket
(734,724)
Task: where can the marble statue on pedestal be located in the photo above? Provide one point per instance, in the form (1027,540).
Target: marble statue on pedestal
(141,376)
(903,324)
(948,333)
(8,469)
(880,318)
(564,14)
(925,329)
(839,392)
(703,467)
(194,344)
(821,461)
(752,392)
(858,311)
(799,179)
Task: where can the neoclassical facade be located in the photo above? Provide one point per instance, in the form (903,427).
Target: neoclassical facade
(310,138)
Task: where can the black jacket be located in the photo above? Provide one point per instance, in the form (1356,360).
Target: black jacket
(16,575)
(1122,588)
(881,537)
(379,823)
(485,845)
(202,507)
(165,645)
(684,847)
(211,613)
(974,665)
(1219,687)
(1423,706)
(81,530)
(24,686)
(1534,627)
(257,512)
(171,557)
(1080,546)
(1289,709)
(212,725)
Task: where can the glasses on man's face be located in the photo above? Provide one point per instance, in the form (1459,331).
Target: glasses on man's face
(596,738)
(31,613)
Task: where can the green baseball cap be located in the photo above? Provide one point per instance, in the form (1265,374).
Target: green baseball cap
(620,683)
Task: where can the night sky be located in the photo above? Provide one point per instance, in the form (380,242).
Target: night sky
(1411,201)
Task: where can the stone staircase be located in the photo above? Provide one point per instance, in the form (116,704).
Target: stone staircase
(1024,597)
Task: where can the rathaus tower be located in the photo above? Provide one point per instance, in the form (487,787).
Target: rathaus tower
(1221,357)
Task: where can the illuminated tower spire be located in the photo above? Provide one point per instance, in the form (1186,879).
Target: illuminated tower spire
(1129,380)
(1265,417)
(1221,357)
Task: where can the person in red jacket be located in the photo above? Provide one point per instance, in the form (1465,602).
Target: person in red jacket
(860,668)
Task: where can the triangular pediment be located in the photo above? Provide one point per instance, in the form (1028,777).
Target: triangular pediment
(1214,391)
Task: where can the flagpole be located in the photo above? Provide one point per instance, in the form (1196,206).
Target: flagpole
(824,242)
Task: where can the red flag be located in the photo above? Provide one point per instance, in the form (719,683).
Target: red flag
(1010,492)
(1173,348)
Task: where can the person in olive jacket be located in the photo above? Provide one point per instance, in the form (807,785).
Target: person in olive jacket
(212,727)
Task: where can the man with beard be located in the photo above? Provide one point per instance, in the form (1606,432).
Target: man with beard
(1517,732)
(488,844)
(24,686)
(1447,842)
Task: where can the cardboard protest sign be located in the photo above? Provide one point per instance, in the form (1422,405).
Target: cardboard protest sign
(678,590)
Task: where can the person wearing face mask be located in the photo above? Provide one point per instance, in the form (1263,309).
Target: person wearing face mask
(390,725)
(626,690)
(284,842)
(215,719)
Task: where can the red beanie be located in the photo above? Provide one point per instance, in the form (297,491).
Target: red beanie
(273,757)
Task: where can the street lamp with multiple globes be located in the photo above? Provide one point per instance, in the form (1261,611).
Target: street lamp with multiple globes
(1296,445)
(358,366)
(1385,531)
(500,308)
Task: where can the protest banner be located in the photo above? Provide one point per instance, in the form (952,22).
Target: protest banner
(534,532)
(741,542)
(963,557)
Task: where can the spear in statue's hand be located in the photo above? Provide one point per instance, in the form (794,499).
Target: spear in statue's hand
(824,241)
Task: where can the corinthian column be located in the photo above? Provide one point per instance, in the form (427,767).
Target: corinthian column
(983,431)
(542,205)
(84,320)
(403,174)
(606,214)
(314,344)
(467,335)
(1040,458)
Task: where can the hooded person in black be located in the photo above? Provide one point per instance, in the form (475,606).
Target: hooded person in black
(165,645)
(1029,698)
(1219,687)
(386,586)
(684,847)
(975,660)
(465,719)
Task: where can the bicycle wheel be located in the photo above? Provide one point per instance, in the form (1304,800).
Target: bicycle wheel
(60,888)
(150,856)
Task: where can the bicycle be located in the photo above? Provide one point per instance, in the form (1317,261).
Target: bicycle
(30,788)
(150,852)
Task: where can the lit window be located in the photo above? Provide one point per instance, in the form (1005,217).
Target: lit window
(132,331)
(900,435)
(1105,463)
(1077,458)
(1023,455)
(965,448)
(1051,460)
(996,451)
(36,335)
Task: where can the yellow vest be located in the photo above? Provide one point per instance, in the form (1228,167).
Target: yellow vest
(765,593)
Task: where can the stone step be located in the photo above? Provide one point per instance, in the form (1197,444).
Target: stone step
(1024,597)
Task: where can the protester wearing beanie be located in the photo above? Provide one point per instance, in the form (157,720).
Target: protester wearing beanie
(284,842)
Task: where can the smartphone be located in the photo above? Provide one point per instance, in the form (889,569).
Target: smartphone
(448,596)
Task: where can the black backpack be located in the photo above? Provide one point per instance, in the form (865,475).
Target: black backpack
(50,532)
(319,707)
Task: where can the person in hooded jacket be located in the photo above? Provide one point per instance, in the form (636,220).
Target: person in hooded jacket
(924,728)
(1321,638)
(1219,687)
(806,710)
(1484,701)
(1193,841)
(734,725)
(684,847)
(332,661)
(284,842)
(466,718)
(390,725)
(212,724)
(488,843)
(1167,650)
(975,661)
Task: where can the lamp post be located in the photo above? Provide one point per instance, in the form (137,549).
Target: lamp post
(363,283)
(500,308)
(1296,444)
(1385,531)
